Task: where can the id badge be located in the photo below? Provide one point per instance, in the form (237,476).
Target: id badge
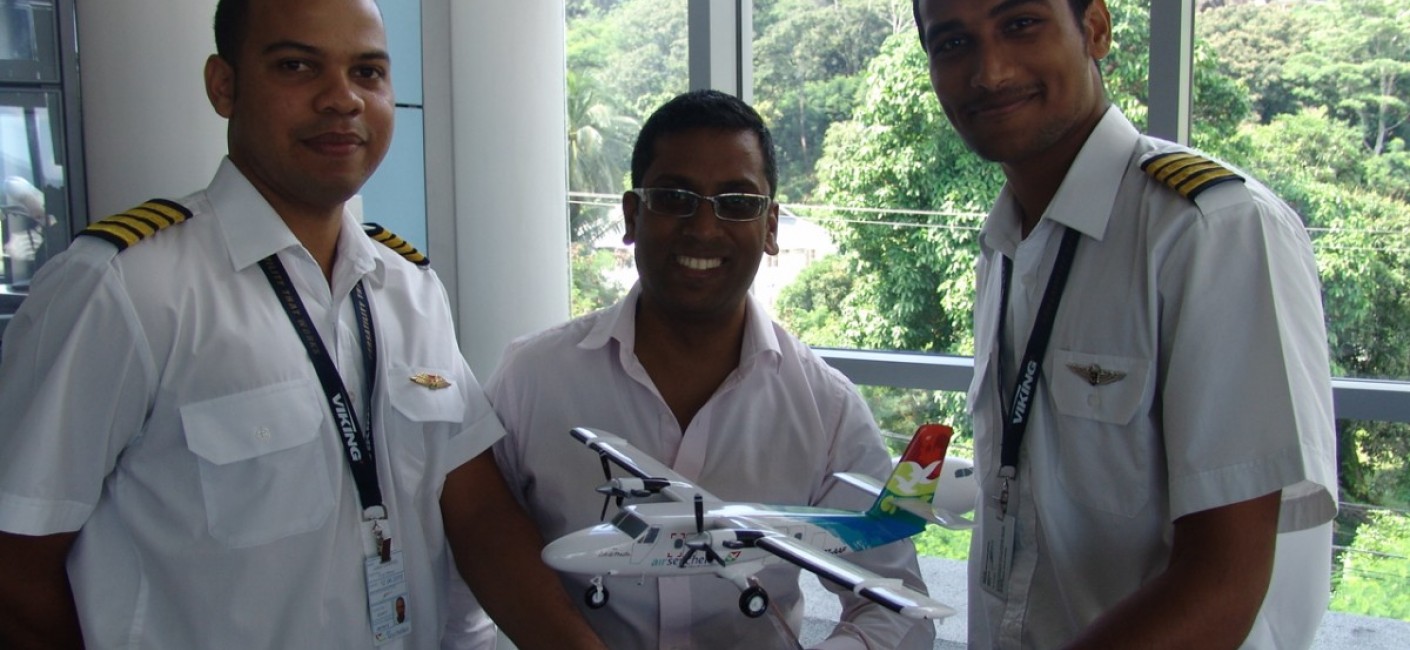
(999,539)
(387,600)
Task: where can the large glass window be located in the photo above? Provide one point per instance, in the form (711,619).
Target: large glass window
(625,58)
(34,185)
(1313,98)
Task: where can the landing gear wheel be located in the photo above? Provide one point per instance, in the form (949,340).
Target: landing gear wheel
(596,594)
(754,602)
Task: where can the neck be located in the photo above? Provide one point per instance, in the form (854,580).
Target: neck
(688,362)
(319,235)
(1035,180)
(699,338)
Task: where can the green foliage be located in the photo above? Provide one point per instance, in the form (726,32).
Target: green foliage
(898,152)
(808,306)
(807,60)
(1375,576)
(591,289)
(935,541)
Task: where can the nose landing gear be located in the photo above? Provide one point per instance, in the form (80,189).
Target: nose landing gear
(596,594)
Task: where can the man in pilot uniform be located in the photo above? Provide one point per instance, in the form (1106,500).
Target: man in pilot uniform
(1151,400)
(236,420)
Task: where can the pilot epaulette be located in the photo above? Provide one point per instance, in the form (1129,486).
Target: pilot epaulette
(397,244)
(128,228)
(1187,172)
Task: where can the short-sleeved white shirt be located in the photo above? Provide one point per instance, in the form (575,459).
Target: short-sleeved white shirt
(774,432)
(1211,311)
(158,401)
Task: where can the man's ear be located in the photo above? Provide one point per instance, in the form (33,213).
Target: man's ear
(630,204)
(1096,30)
(220,85)
(771,237)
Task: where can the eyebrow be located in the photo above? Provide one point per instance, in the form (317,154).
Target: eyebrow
(732,186)
(305,48)
(954,25)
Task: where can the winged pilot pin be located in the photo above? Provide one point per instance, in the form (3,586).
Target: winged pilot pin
(433,382)
(1095,374)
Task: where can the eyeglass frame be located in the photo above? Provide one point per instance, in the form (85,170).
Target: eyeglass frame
(640,193)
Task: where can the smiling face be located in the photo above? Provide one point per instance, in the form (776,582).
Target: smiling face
(309,99)
(1017,78)
(699,268)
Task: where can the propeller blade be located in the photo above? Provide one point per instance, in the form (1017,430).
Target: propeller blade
(699,514)
(686,558)
(714,557)
(605,500)
(606,469)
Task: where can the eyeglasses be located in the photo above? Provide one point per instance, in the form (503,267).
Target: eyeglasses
(684,203)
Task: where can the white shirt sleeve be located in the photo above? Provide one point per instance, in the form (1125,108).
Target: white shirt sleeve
(76,380)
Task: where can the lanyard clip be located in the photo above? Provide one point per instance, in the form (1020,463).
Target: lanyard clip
(1006,473)
(381,540)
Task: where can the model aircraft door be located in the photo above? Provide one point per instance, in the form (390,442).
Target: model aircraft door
(642,548)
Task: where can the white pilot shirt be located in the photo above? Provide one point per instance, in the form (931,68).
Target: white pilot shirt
(159,402)
(774,432)
(1211,312)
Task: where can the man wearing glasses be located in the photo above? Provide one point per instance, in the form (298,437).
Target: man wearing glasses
(689,369)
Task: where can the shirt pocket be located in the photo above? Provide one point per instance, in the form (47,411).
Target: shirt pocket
(263,469)
(421,418)
(1104,460)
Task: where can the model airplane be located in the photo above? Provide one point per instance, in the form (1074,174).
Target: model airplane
(689,531)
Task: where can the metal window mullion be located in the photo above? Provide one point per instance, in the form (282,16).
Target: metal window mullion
(721,35)
(1353,399)
(1171,81)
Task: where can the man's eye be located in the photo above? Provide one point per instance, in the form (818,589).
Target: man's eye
(1020,24)
(371,72)
(293,65)
(947,44)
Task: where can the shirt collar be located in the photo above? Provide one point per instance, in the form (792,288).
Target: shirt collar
(1084,200)
(619,322)
(253,230)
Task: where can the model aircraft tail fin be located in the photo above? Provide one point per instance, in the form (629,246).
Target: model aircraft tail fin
(910,490)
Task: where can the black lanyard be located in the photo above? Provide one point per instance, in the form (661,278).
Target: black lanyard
(356,443)
(1026,384)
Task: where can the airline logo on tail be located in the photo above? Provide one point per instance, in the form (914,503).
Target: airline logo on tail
(918,472)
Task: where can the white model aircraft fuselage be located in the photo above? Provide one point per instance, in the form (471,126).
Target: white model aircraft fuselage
(693,532)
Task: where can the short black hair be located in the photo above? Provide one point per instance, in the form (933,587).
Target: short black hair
(232,17)
(232,22)
(702,109)
(1079,8)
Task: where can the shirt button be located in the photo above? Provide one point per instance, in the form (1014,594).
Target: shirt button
(263,433)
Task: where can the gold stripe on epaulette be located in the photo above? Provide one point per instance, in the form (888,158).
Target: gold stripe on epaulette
(397,244)
(1187,173)
(128,228)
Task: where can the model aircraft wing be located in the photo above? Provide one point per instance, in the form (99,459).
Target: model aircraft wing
(654,474)
(889,592)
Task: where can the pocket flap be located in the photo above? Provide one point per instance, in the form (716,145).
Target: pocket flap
(421,401)
(1101,387)
(253,423)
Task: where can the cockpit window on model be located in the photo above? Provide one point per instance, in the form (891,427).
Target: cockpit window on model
(629,523)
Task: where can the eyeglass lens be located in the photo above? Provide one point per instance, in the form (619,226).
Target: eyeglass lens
(684,203)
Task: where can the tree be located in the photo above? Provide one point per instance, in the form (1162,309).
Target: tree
(807,58)
(1357,65)
(1254,43)
(1375,578)
(599,153)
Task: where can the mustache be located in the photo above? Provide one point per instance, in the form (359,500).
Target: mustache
(999,98)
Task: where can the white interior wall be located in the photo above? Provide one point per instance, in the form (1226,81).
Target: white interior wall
(148,130)
(495,110)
